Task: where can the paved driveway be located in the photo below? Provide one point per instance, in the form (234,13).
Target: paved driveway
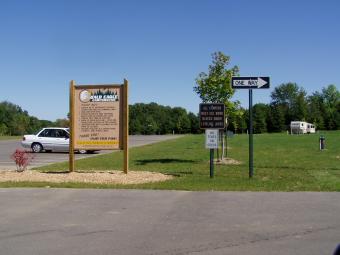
(9,146)
(87,222)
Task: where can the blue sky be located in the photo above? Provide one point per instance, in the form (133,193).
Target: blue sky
(161,47)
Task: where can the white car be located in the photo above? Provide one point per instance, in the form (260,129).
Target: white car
(49,139)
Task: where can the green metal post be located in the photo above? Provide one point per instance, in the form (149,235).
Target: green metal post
(251,148)
(211,163)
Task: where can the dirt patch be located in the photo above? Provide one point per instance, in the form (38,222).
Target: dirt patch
(107,177)
(227,161)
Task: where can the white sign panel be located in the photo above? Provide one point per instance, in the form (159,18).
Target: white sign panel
(250,82)
(211,138)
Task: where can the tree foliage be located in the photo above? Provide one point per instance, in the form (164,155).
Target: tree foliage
(260,115)
(15,121)
(147,119)
(238,119)
(292,100)
(331,100)
(291,103)
(214,86)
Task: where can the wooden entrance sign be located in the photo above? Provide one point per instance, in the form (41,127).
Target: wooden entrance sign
(99,119)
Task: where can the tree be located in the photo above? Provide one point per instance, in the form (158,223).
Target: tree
(299,108)
(181,120)
(237,120)
(3,129)
(62,123)
(135,127)
(291,99)
(214,86)
(260,112)
(157,119)
(149,126)
(276,118)
(194,123)
(34,125)
(331,99)
(315,113)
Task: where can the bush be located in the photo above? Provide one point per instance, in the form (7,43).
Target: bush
(22,159)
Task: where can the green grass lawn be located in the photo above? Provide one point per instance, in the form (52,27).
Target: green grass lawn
(281,163)
(10,137)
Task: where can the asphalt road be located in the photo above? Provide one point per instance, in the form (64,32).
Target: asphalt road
(8,147)
(87,222)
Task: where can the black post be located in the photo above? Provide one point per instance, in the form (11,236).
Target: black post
(211,163)
(251,149)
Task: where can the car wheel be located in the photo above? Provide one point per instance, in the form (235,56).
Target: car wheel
(37,147)
(82,151)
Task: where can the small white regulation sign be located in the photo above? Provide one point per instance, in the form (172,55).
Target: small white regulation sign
(211,138)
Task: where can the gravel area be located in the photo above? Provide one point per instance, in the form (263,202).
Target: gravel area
(107,177)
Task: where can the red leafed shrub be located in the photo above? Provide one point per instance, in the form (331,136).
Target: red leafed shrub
(22,159)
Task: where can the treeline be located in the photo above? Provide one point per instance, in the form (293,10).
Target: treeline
(147,119)
(15,121)
(290,102)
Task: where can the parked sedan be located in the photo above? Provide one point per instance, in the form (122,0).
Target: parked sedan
(49,139)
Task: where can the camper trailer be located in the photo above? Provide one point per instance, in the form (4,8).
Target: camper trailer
(301,127)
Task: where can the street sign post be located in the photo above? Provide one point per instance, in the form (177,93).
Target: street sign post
(250,83)
(212,118)
(211,142)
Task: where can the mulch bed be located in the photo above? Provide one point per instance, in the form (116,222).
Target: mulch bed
(101,177)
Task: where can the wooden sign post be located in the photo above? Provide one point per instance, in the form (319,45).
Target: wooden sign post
(99,119)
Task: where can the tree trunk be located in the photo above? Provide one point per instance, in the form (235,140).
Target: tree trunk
(226,144)
(223,144)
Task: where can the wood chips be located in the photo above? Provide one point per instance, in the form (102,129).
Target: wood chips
(107,177)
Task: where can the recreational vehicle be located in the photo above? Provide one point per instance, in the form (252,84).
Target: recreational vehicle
(301,127)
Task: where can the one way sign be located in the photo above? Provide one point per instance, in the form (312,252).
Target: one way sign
(250,82)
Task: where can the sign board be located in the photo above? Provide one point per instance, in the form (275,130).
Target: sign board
(211,138)
(250,82)
(98,117)
(212,116)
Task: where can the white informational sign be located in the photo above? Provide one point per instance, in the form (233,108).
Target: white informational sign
(211,138)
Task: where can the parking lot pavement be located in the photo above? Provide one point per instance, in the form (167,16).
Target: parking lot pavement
(40,159)
(87,222)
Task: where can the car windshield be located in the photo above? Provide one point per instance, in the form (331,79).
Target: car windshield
(38,132)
